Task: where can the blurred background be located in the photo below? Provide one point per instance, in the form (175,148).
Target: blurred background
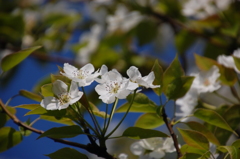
(118,34)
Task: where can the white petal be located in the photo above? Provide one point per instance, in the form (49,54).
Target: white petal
(108,98)
(149,78)
(132,86)
(64,106)
(69,69)
(168,145)
(50,103)
(101,89)
(133,73)
(103,70)
(122,94)
(122,156)
(157,154)
(75,98)
(88,67)
(59,87)
(137,149)
(73,88)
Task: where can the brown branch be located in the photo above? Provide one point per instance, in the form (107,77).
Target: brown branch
(95,149)
(173,135)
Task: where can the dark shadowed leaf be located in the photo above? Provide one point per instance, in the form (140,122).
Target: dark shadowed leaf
(9,137)
(67,153)
(4,117)
(194,139)
(233,151)
(12,60)
(140,133)
(149,121)
(62,132)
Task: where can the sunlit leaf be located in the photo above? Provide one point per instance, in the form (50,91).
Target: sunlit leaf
(65,121)
(4,117)
(189,149)
(237,62)
(213,118)
(28,106)
(9,137)
(97,112)
(149,121)
(140,133)
(190,156)
(158,72)
(141,103)
(194,139)
(233,151)
(67,153)
(62,132)
(60,77)
(12,60)
(46,90)
(171,73)
(30,95)
(202,129)
(38,110)
(179,87)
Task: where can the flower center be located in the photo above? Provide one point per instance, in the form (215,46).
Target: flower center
(80,74)
(206,82)
(113,87)
(64,98)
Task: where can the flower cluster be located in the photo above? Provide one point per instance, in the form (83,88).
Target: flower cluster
(111,85)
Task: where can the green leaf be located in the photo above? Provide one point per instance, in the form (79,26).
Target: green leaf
(97,112)
(213,118)
(4,117)
(28,106)
(189,149)
(171,73)
(158,72)
(232,150)
(179,87)
(63,120)
(227,77)
(149,121)
(24,131)
(9,137)
(12,60)
(46,90)
(30,95)
(236,143)
(237,62)
(39,110)
(202,129)
(141,103)
(140,133)
(67,153)
(62,132)
(60,77)
(190,156)
(194,139)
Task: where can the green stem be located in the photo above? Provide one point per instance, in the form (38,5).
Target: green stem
(90,111)
(34,121)
(111,115)
(105,118)
(134,94)
(9,100)
(223,97)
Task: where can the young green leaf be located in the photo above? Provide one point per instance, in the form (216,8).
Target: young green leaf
(60,77)
(12,60)
(236,143)
(62,132)
(237,62)
(9,137)
(189,149)
(67,153)
(141,103)
(63,120)
(202,129)
(149,121)
(39,110)
(194,139)
(158,72)
(140,133)
(232,150)
(213,118)
(46,90)
(171,73)
(30,95)
(179,87)
(28,106)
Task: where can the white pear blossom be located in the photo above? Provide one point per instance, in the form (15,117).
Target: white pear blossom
(63,98)
(228,61)
(92,40)
(123,19)
(136,77)
(201,9)
(113,86)
(84,76)
(207,81)
(122,156)
(152,148)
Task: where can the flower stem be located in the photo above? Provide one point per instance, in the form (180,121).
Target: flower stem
(134,94)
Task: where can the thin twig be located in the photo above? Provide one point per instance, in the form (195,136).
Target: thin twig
(173,135)
(95,149)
